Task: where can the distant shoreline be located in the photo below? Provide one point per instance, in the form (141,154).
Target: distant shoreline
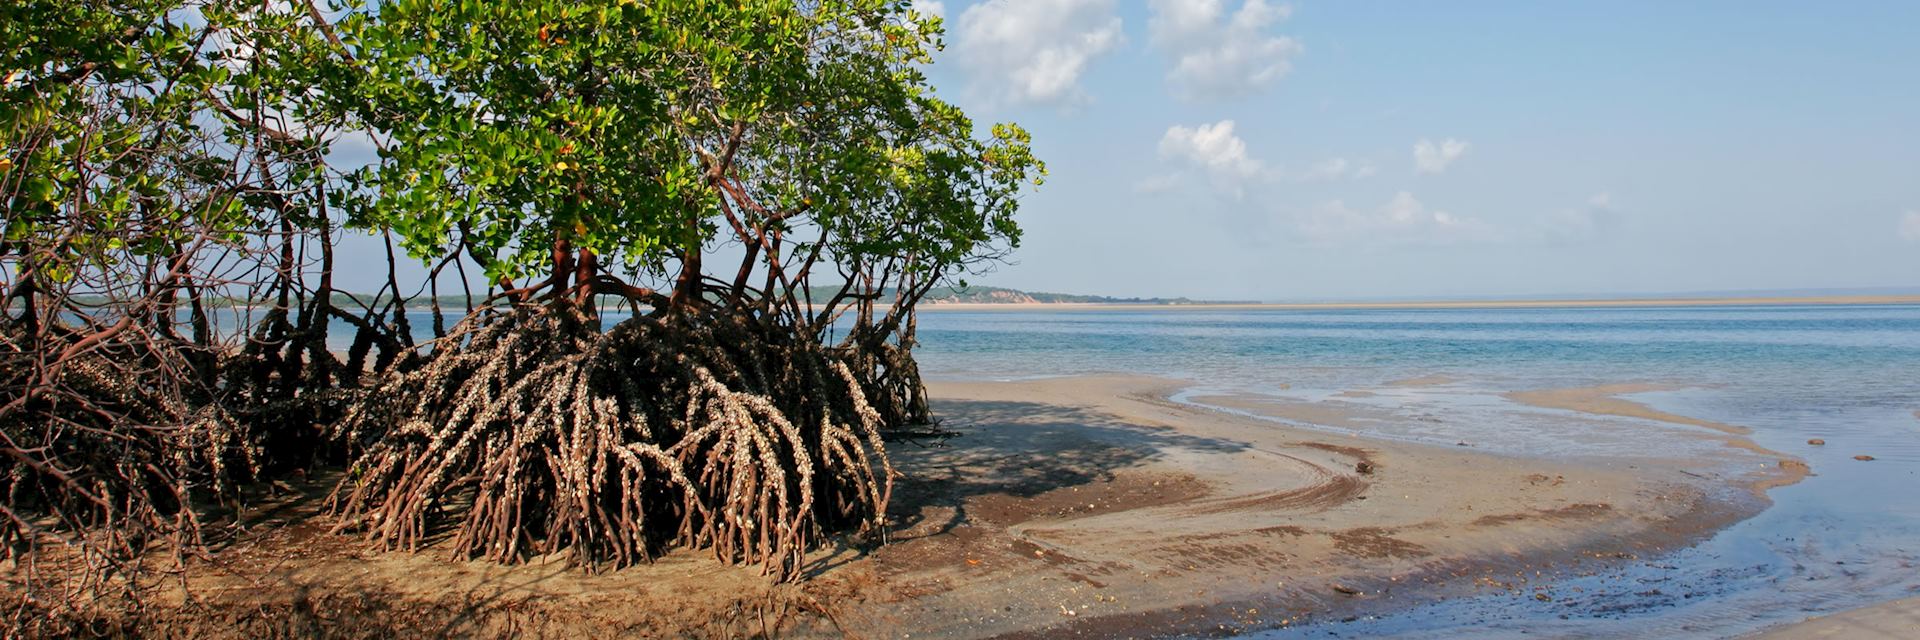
(1438,304)
(1594,303)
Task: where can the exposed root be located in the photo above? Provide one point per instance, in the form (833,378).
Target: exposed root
(103,458)
(530,433)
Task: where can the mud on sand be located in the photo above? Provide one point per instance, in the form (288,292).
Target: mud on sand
(1082,505)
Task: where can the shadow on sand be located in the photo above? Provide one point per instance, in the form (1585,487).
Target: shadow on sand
(1020,450)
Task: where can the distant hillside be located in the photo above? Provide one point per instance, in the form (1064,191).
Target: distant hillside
(998,295)
(821,294)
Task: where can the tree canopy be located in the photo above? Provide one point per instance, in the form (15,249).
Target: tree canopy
(542,137)
(163,158)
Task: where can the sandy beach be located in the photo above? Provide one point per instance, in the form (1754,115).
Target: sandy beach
(1065,506)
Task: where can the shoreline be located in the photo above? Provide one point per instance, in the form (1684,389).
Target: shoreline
(1894,620)
(1598,303)
(1093,505)
(1258,550)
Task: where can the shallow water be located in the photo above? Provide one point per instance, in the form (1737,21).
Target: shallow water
(1849,536)
(1846,537)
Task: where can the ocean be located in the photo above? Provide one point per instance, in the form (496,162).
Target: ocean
(1845,537)
(1848,536)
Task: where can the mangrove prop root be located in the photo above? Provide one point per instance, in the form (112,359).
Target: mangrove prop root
(530,433)
(106,460)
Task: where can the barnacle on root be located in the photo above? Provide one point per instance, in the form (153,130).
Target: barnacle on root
(528,432)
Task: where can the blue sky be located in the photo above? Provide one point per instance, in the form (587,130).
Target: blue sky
(1270,150)
(1266,150)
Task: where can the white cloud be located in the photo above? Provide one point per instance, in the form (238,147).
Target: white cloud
(1579,223)
(1217,151)
(933,8)
(1429,157)
(1221,55)
(1159,183)
(1910,226)
(1337,169)
(1402,220)
(1034,51)
(1212,148)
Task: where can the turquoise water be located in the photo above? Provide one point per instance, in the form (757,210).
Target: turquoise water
(1840,349)
(1848,536)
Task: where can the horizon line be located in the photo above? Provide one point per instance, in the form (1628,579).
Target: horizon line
(1514,303)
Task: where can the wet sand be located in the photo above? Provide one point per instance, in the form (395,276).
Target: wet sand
(1430,380)
(1897,620)
(1181,520)
(1067,506)
(1606,400)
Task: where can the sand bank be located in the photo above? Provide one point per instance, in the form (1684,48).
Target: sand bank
(1095,505)
(1606,400)
(1081,505)
(1897,620)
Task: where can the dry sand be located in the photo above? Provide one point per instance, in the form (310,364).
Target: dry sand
(1082,505)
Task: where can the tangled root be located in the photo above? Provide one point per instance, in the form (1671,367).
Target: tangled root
(531,433)
(108,460)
